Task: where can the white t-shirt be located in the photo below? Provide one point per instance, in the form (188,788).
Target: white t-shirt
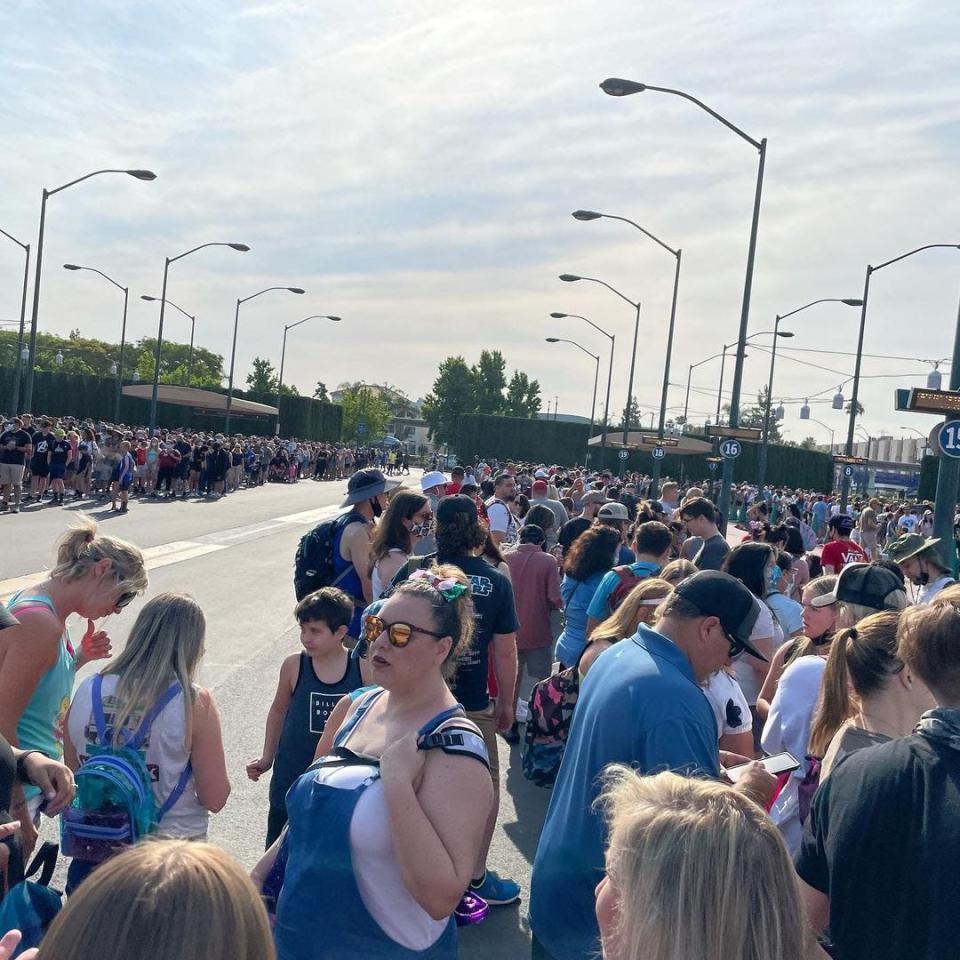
(730,706)
(907,523)
(502,520)
(929,590)
(766,626)
(166,754)
(788,729)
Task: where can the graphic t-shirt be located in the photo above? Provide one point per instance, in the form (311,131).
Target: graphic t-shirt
(495,613)
(41,447)
(838,553)
(59,452)
(502,520)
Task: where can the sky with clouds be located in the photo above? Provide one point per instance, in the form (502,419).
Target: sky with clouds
(414,166)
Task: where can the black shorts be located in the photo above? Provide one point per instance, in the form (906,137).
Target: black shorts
(40,468)
(57,470)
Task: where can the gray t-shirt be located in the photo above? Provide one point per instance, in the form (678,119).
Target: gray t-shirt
(712,553)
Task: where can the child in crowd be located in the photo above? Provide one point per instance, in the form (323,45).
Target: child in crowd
(311,684)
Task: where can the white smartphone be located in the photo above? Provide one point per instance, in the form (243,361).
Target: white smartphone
(777,764)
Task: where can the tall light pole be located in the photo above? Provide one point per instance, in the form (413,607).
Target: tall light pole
(193,329)
(690,369)
(854,404)
(18,360)
(242,248)
(283,353)
(136,174)
(123,329)
(233,352)
(615,87)
(606,407)
(573,278)
(762,467)
(593,215)
(596,377)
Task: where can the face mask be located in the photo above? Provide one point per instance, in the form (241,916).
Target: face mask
(774,577)
(422,529)
(376,507)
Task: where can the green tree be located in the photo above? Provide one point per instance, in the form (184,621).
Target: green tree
(362,405)
(754,416)
(489,382)
(808,443)
(630,418)
(320,392)
(523,396)
(262,380)
(452,395)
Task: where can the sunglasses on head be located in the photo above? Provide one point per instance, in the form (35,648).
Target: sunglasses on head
(399,633)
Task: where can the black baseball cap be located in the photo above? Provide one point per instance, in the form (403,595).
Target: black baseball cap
(454,506)
(865,584)
(842,523)
(717,594)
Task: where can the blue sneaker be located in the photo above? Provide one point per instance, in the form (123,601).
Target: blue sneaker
(495,890)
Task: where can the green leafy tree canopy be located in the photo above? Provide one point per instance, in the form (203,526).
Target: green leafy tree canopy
(362,405)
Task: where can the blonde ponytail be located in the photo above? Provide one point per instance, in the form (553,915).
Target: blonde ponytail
(833,705)
(80,549)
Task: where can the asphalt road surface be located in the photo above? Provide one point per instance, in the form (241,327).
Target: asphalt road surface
(235,556)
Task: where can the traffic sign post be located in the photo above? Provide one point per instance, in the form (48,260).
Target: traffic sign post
(361,429)
(730,449)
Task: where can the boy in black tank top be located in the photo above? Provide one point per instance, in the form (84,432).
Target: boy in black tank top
(311,684)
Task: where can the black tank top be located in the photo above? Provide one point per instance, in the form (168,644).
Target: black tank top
(310,707)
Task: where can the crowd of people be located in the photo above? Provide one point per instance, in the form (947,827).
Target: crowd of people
(51,461)
(751,740)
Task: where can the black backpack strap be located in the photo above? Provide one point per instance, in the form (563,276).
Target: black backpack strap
(457,736)
(45,862)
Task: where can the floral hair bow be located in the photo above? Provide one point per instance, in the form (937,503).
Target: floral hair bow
(447,587)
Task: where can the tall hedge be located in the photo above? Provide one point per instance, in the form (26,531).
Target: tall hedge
(66,394)
(554,441)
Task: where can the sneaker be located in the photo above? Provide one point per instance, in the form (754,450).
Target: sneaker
(15,509)
(512,736)
(495,890)
(470,909)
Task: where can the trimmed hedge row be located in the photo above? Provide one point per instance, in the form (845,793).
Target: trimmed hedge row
(554,441)
(66,394)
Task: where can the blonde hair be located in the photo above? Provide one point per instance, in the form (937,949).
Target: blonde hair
(80,549)
(165,647)
(166,899)
(819,587)
(624,620)
(701,872)
(927,644)
(861,661)
(677,570)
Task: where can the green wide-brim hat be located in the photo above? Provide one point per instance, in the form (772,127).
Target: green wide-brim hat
(909,545)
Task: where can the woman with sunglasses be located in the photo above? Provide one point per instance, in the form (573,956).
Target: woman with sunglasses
(385,828)
(94,576)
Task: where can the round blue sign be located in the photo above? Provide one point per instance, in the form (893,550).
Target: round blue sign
(712,466)
(658,453)
(623,454)
(730,449)
(848,470)
(948,439)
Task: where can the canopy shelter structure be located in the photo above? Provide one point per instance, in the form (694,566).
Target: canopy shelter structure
(205,401)
(645,441)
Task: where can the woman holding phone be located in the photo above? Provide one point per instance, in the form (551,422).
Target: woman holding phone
(94,576)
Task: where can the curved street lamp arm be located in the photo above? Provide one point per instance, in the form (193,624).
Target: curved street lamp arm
(713,113)
(575,344)
(903,256)
(105,277)
(268,289)
(643,230)
(783,316)
(23,246)
(577,316)
(86,176)
(316,316)
(612,290)
(170,303)
(187,253)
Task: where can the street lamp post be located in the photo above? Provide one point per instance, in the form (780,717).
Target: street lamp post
(233,352)
(18,360)
(592,215)
(193,327)
(35,312)
(572,278)
(123,330)
(606,408)
(851,425)
(596,377)
(616,87)
(762,467)
(283,353)
(242,248)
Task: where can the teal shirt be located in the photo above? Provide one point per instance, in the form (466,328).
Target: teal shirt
(41,725)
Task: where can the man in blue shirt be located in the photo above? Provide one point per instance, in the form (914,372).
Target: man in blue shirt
(642,705)
(652,543)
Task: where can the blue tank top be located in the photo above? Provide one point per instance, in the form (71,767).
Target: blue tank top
(345,574)
(41,725)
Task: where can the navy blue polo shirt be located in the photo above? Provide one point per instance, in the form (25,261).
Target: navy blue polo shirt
(639,705)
